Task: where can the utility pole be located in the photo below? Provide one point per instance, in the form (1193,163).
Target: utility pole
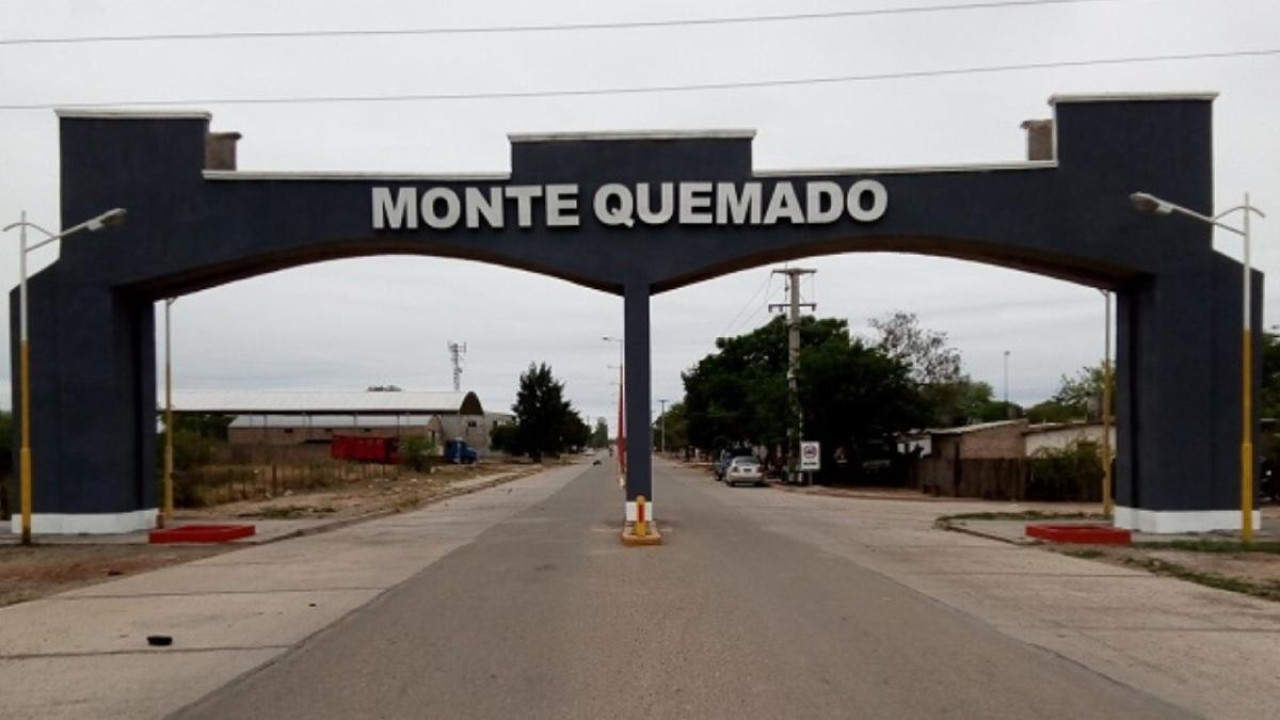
(662,423)
(456,352)
(1008,411)
(795,427)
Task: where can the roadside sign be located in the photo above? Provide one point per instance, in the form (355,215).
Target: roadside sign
(810,456)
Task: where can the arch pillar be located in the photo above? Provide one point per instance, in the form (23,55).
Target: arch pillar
(638,391)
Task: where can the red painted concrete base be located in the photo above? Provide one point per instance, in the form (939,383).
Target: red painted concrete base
(1080,534)
(201,534)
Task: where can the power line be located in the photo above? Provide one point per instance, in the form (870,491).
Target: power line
(762,289)
(649,89)
(567,27)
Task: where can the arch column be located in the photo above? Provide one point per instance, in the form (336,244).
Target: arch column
(636,352)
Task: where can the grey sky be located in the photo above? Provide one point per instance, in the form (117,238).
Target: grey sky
(377,320)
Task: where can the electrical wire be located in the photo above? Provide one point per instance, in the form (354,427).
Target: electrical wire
(763,289)
(567,27)
(650,89)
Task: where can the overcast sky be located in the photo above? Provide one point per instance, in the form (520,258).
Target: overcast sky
(348,324)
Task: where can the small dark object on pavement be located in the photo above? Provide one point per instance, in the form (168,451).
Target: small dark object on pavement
(596,462)
(160,640)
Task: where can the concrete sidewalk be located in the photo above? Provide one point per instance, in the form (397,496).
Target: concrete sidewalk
(84,654)
(1212,651)
(266,530)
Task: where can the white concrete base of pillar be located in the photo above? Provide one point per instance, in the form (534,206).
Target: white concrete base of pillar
(87,523)
(1172,522)
(632,514)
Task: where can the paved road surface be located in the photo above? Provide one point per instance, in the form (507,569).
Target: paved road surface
(546,616)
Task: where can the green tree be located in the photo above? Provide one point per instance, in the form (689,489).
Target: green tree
(854,396)
(926,352)
(856,399)
(6,463)
(1077,398)
(738,395)
(1269,402)
(677,428)
(600,435)
(546,423)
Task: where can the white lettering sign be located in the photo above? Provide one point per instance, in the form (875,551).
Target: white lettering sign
(819,202)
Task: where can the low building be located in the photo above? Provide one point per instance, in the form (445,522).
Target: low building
(297,418)
(1001,439)
(300,429)
(1055,437)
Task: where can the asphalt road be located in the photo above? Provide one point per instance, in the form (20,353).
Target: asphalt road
(546,615)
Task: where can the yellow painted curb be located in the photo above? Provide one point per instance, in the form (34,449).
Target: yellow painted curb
(631,539)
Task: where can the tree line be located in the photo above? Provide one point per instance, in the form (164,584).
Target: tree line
(857,395)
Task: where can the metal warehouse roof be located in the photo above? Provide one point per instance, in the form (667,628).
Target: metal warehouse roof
(320,422)
(237,402)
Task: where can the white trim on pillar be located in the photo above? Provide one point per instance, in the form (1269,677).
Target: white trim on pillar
(88,523)
(1180,521)
(632,514)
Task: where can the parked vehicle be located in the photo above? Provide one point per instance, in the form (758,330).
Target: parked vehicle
(358,448)
(744,469)
(459,452)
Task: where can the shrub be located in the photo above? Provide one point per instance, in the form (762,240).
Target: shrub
(1072,473)
(417,452)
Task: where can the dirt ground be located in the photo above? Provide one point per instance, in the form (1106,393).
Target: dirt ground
(361,497)
(31,572)
(1254,573)
(46,569)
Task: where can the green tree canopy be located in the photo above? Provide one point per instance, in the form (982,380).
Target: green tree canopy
(853,395)
(1077,398)
(600,435)
(546,423)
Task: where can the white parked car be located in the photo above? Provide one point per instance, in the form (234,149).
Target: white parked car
(744,470)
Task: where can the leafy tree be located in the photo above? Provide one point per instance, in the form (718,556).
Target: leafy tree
(854,396)
(924,351)
(546,423)
(964,401)
(738,395)
(1269,402)
(600,435)
(6,462)
(503,437)
(677,428)
(1077,398)
(856,399)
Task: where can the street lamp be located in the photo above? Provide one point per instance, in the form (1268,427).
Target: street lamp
(622,403)
(1146,202)
(1106,410)
(166,514)
(106,219)
(1008,411)
(662,444)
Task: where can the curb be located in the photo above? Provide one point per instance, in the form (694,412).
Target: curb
(948,525)
(379,514)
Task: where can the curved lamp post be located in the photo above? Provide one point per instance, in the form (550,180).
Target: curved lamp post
(622,403)
(1146,202)
(106,219)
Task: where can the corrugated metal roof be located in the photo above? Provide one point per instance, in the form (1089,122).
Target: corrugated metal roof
(319,422)
(977,427)
(240,402)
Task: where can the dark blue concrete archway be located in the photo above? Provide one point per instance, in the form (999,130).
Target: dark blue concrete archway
(574,206)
